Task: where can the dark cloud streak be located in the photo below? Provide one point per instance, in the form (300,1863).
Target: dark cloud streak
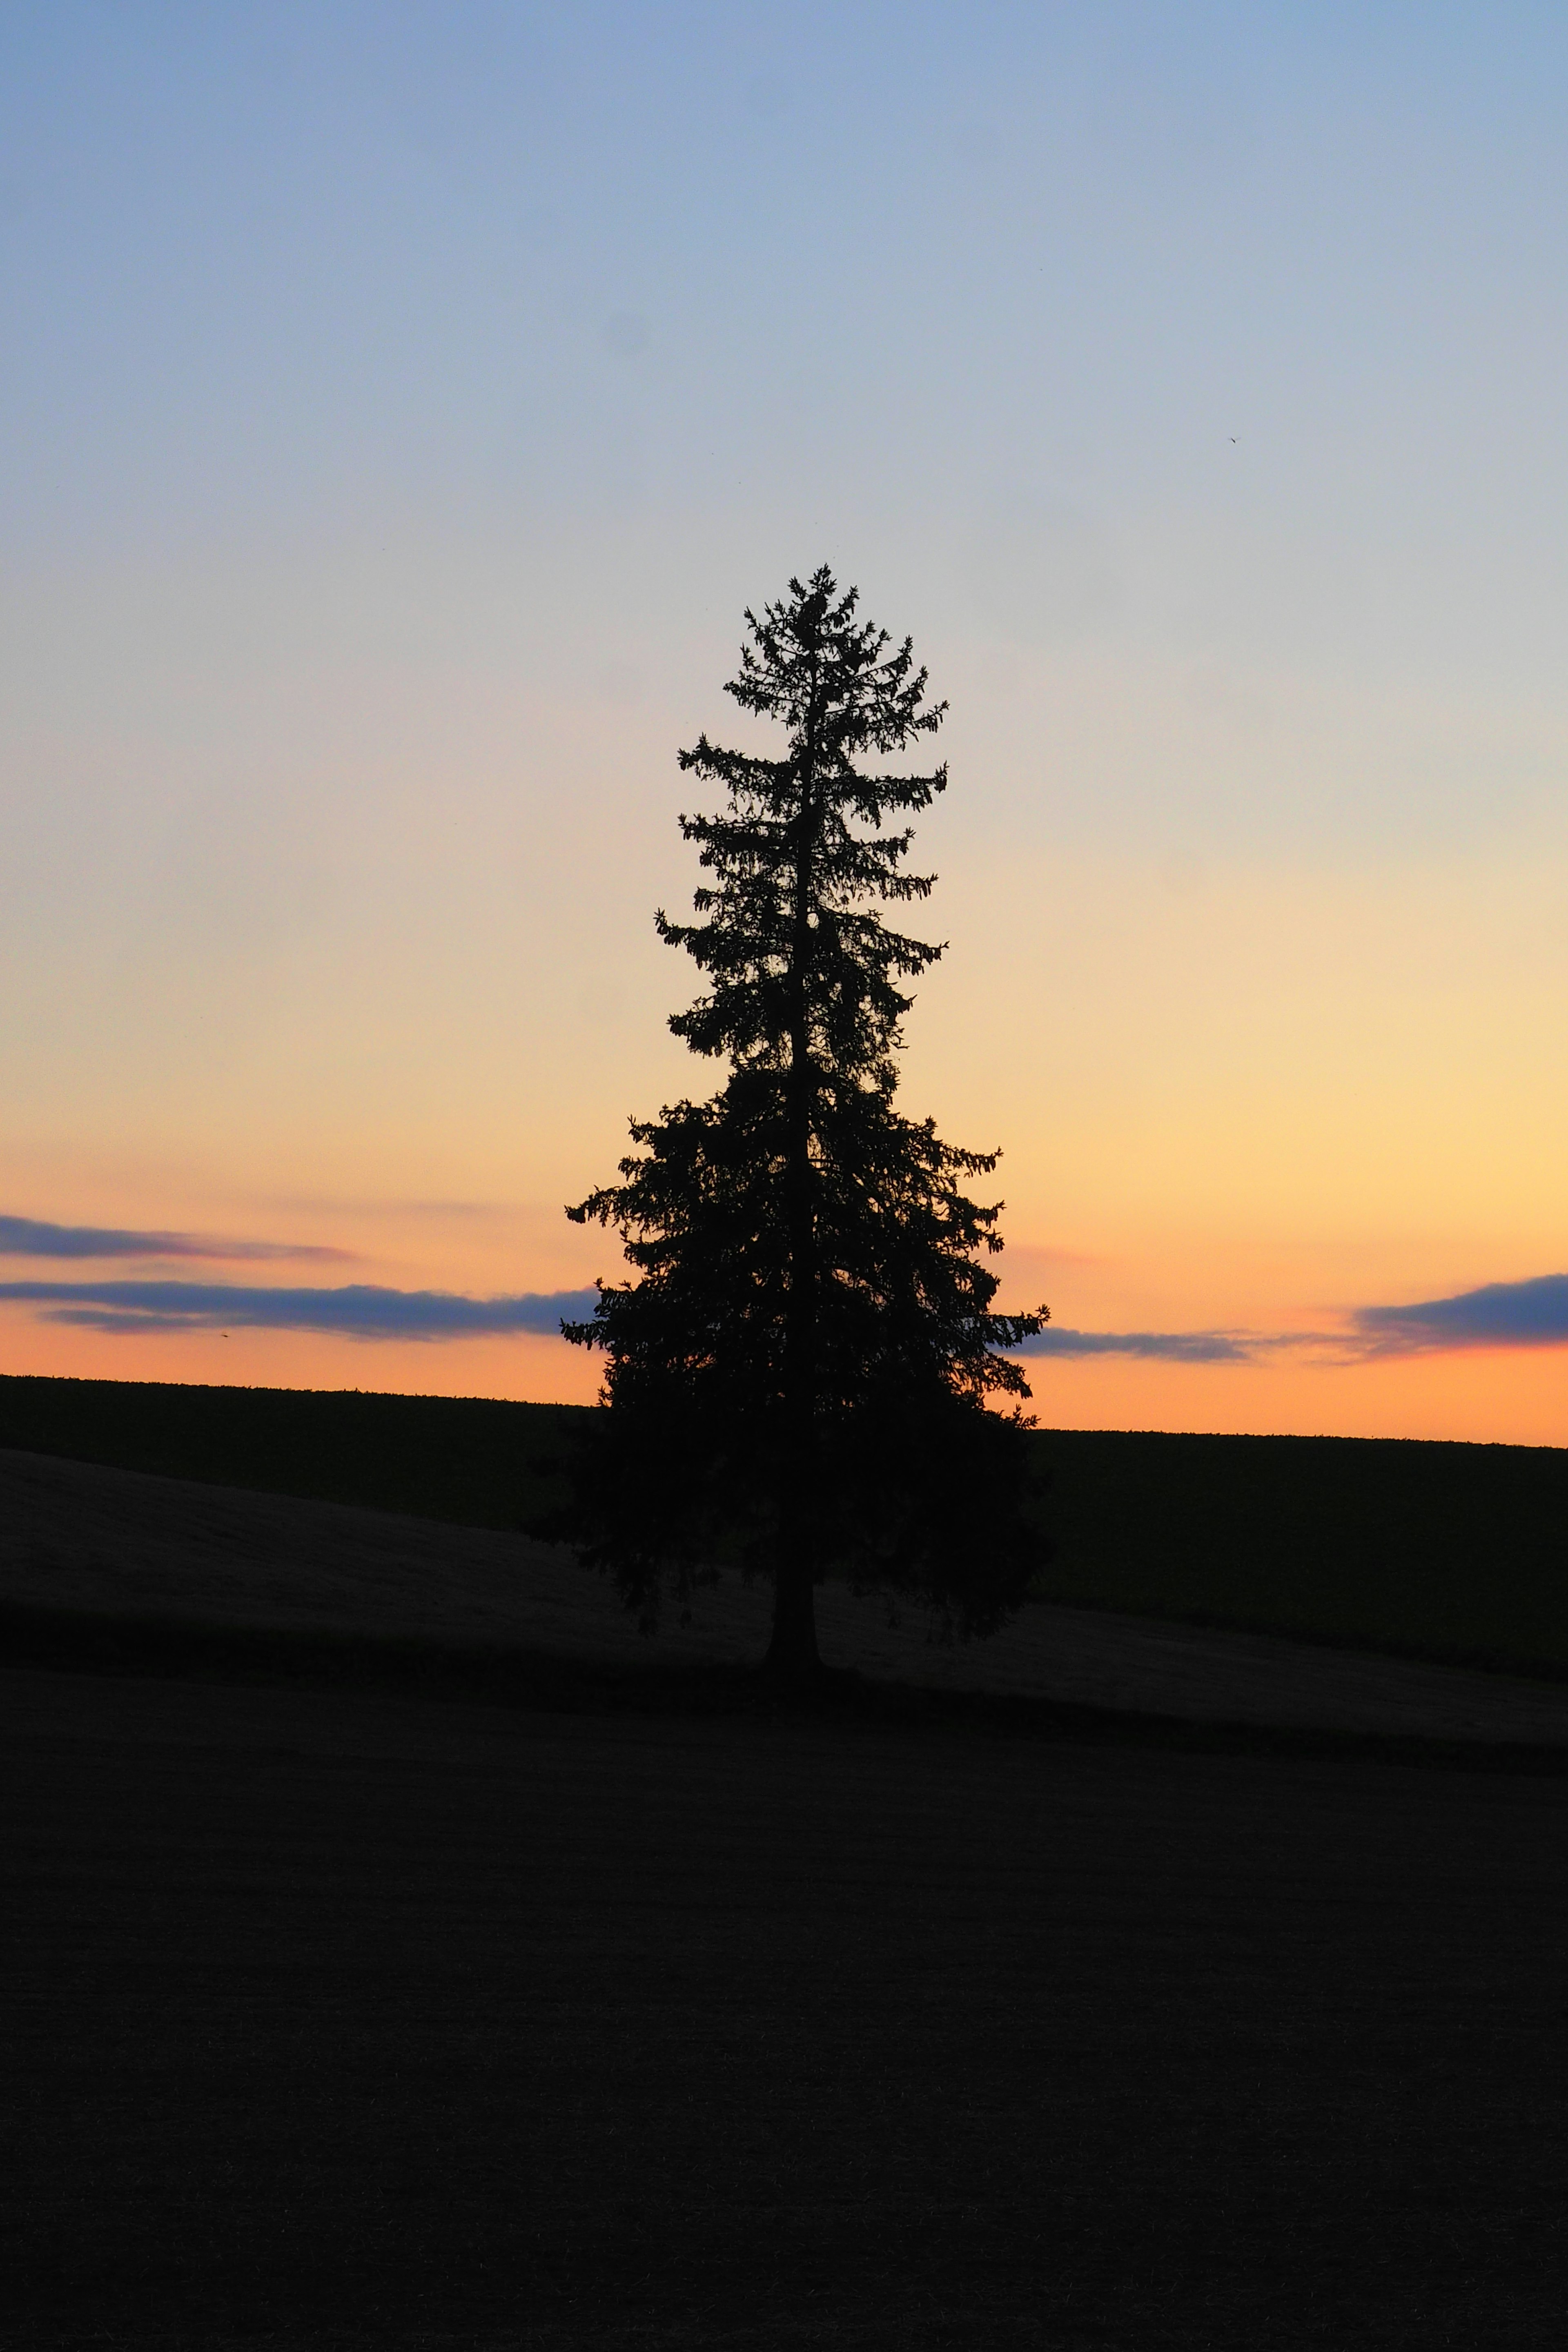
(1166,1346)
(1532,1314)
(34,1237)
(359,1311)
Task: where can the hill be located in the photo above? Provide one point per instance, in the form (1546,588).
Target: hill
(1450,1552)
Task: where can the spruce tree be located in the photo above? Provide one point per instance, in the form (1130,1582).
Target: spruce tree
(797,1378)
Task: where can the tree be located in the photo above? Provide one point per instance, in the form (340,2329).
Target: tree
(799,1380)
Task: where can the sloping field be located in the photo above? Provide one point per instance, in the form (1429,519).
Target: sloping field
(1454,1552)
(78,1537)
(1451,1551)
(346,2020)
(471,1460)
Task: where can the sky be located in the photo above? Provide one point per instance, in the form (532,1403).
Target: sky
(400,405)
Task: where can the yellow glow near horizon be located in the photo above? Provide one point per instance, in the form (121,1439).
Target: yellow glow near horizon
(1360,1123)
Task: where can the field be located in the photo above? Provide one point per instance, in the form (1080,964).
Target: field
(399,1954)
(132,1571)
(1437,1550)
(1447,1551)
(347,2021)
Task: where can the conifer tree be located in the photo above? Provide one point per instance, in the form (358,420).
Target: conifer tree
(797,1378)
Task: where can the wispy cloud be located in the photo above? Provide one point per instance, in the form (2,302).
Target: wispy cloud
(1532,1314)
(359,1311)
(34,1238)
(1169,1346)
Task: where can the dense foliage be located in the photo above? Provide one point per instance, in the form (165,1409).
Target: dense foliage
(798,1379)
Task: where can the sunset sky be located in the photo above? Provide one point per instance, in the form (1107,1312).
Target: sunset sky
(400,403)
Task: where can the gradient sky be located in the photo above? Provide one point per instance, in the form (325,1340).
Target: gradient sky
(398,405)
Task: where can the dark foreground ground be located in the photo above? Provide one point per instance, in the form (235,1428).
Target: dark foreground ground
(345,2020)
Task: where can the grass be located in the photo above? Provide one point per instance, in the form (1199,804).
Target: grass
(469,1460)
(346,2022)
(1449,1552)
(387,1996)
(530,1680)
(374,1995)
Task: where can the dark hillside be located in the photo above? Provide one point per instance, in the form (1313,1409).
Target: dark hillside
(466,1459)
(1444,1550)
(1458,1551)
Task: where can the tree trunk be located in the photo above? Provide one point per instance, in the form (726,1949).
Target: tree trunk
(792,1655)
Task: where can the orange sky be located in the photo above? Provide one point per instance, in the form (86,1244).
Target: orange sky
(1253,1103)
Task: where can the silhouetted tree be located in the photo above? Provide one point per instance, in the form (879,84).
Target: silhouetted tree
(797,1380)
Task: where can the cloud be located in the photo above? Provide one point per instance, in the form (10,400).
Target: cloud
(359,1311)
(1532,1314)
(32,1237)
(1169,1346)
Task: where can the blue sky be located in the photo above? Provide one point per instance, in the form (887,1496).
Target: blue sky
(974,285)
